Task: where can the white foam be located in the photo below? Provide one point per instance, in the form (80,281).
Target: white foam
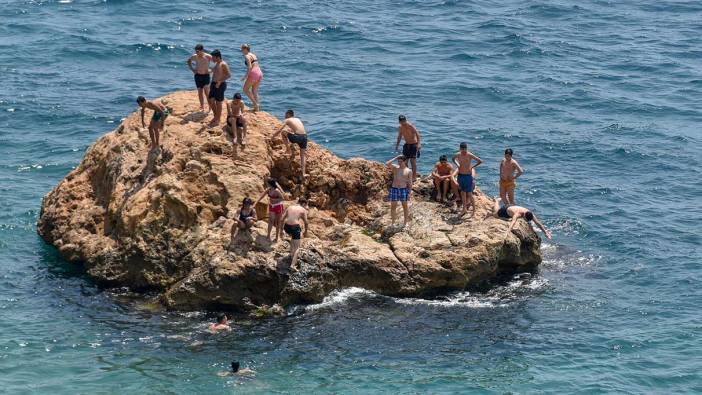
(339,297)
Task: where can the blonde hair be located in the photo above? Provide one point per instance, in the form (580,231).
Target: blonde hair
(246,46)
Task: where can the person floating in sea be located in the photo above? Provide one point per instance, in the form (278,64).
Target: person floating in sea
(237,370)
(514,213)
(253,76)
(158,119)
(222,324)
(292,217)
(401,187)
(201,71)
(236,122)
(465,174)
(509,171)
(298,136)
(412,146)
(275,206)
(220,75)
(443,180)
(247,217)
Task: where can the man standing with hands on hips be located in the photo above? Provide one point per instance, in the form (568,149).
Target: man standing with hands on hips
(220,75)
(201,72)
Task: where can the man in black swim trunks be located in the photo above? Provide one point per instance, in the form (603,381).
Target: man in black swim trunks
(298,136)
(291,218)
(201,71)
(410,149)
(514,213)
(220,75)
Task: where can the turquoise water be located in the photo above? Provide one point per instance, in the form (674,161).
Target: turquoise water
(601,101)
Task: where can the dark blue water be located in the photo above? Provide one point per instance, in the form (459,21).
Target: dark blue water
(601,101)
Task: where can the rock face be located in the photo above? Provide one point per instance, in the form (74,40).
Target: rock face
(163,222)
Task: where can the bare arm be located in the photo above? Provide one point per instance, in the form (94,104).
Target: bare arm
(227,73)
(282,220)
(435,171)
(478,161)
(280,130)
(261,197)
(416,133)
(143,125)
(249,66)
(399,136)
(389,163)
(190,64)
(304,219)
(513,222)
(520,171)
(542,227)
(455,161)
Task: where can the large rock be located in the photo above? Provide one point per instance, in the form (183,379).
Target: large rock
(163,223)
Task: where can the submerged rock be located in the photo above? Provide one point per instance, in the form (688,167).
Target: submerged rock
(163,222)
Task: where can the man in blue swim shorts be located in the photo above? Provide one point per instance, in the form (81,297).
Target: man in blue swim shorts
(401,187)
(464,174)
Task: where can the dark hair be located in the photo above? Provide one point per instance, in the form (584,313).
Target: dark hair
(402,118)
(443,158)
(402,158)
(237,96)
(221,317)
(235,366)
(302,201)
(271,182)
(463,145)
(216,54)
(509,151)
(199,47)
(528,216)
(141,99)
(291,112)
(247,201)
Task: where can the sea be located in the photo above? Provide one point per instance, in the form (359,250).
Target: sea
(600,100)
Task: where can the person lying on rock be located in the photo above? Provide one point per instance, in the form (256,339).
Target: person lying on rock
(247,217)
(292,217)
(158,119)
(514,213)
(401,187)
(236,123)
(222,324)
(412,146)
(275,206)
(298,136)
(442,178)
(465,175)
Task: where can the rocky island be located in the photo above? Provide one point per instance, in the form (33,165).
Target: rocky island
(162,223)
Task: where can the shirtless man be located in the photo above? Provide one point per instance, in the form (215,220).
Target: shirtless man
(222,324)
(220,75)
(464,175)
(298,136)
(508,178)
(236,122)
(410,149)
(401,187)
(291,218)
(442,178)
(514,213)
(158,119)
(201,71)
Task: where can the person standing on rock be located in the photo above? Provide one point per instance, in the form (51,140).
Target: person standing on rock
(220,75)
(291,218)
(298,136)
(157,122)
(201,71)
(253,77)
(514,213)
(275,206)
(401,187)
(509,171)
(465,174)
(236,121)
(412,146)
(442,176)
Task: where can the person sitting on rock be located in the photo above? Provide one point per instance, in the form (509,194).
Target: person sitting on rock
(298,136)
(514,213)
(465,175)
(275,206)
(158,119)
(401,187)
(236,122)
(247,217)
(292,217)
(222,324)
(442,178)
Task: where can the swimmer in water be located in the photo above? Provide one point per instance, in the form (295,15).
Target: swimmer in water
(297,135)
(238,371)
(157,122)
(292,217)
(401,187)
(465,175)
(514,213)
(201,72)
(412,146)
(275,206)
(509,172)
(222,324)
(253,76)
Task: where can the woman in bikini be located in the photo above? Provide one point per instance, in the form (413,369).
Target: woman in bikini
(275,206)
(247,217)
(253,76)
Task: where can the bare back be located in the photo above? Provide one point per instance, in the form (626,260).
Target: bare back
(518,211)
(296,213)
(296,125)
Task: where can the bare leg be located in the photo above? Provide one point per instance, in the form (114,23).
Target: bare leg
(405,209)
(393,211)
(271,220)
(437,185)
(471,203)
(254,93)
(510,196)
(302,161)
(464,202)
(201,96)
(277,227)
(294,248)
(243,135)
(206,91)
(503,194)
(444,189)
(413,161)
(152,138)
(248,92)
